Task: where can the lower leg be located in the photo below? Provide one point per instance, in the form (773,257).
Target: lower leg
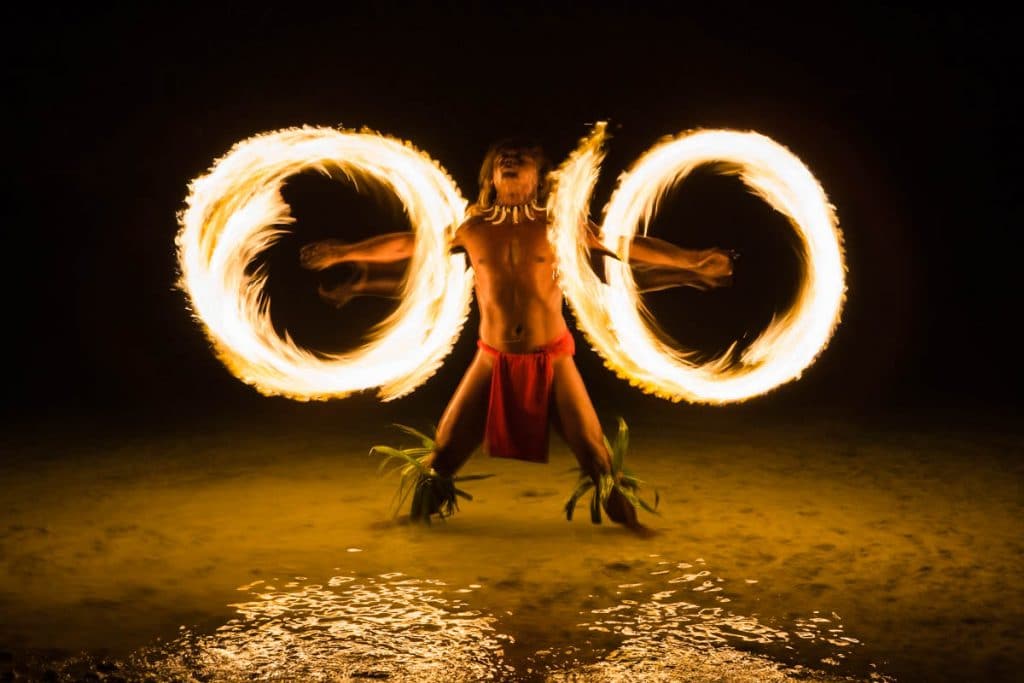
(577,423)
(461,428)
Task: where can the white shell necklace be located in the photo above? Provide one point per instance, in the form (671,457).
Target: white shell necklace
(499,212)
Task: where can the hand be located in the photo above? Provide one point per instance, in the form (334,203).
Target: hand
(321,255)
(718,263)
(340,294)
(335,296)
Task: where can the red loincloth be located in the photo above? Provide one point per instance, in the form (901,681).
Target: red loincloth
(517,415)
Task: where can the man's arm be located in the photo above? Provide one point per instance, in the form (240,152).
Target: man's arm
(652,252)
(378,279)
(389,248)
(665,264)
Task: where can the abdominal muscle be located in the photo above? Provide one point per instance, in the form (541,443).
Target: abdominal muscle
(519,312)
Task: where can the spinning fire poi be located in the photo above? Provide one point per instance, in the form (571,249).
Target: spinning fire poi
(526,246)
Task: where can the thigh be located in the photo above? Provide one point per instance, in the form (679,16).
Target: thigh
(462,425)
(575,417)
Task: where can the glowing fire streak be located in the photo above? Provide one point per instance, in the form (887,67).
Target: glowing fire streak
(612,315)
(235,211)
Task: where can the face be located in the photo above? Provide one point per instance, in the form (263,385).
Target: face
(516,170)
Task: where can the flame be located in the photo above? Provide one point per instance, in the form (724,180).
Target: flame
(236,211)
(612,315)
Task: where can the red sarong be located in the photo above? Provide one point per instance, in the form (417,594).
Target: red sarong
(517,414)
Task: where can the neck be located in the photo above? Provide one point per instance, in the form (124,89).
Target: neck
(514,198)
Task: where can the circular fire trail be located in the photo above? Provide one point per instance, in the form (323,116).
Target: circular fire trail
(612,315)
(236,211)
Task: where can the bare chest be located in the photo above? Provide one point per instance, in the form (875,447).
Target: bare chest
(512,247)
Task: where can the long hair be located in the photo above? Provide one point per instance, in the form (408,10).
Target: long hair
(486,197)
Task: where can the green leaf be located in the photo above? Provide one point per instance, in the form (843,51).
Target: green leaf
(405,487)
(621,446)
(584,484)
(630,481)
(581,487)
(410,459)
(415,433)
(386,451)
(646,506)
(431,493)
(620,478)
(635,500)
(397,468)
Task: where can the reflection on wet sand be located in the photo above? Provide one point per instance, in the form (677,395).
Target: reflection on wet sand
(675,635)
(400,628)
(391,627)
(397,627)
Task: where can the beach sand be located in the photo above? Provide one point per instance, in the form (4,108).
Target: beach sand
(786,550)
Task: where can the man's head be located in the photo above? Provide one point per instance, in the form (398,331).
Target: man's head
(513,167)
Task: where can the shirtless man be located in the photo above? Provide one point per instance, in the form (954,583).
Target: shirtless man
(521,321)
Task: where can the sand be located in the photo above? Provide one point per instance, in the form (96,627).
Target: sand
(786,550)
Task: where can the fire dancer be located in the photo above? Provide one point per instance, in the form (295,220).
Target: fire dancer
(523,377)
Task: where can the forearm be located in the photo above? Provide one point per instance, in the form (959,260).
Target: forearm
(657,278)
(389,248)
(658,264)
(651,251)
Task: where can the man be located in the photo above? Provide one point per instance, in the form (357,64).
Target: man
(523,376)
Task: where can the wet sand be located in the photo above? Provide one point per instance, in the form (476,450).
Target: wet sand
(787,550)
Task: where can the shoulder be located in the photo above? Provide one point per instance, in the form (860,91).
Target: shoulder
(475,216)
(470,223)
(463,232)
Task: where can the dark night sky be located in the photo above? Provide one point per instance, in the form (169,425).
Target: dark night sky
(903,116)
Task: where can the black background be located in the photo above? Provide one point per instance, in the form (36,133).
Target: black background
(904,116)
